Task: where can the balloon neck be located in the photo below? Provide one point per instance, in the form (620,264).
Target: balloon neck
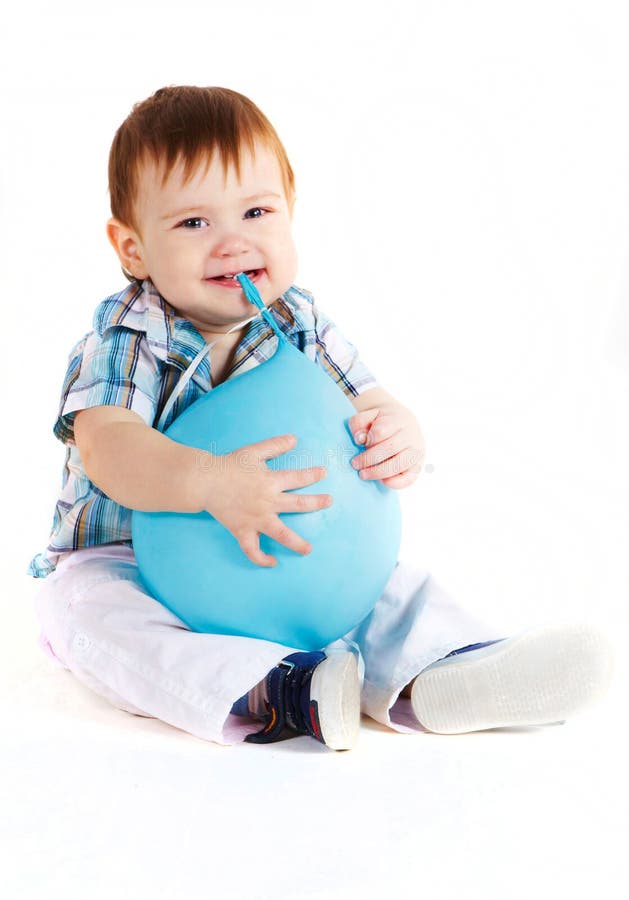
(253,296)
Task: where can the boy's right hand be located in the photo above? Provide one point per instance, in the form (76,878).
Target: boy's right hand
(246,496)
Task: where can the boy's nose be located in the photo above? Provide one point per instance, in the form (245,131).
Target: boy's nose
(230,244)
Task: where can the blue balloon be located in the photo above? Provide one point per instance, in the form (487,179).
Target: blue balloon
(194,566)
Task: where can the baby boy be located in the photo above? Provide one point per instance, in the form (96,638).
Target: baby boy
(202,190)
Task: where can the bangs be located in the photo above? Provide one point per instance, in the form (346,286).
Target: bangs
(188,125)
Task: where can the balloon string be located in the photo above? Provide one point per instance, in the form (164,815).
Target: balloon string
(253,296)
(189,372)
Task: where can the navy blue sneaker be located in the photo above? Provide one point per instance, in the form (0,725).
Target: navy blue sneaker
(315,694)
(538,677)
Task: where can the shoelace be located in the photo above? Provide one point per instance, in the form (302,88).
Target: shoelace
(291,712)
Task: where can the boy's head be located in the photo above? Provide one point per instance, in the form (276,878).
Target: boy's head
(201,186)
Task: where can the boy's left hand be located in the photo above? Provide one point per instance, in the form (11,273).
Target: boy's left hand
(395,445)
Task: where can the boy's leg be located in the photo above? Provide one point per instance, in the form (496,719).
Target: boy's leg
(471,678)
(99,622)
(413,624)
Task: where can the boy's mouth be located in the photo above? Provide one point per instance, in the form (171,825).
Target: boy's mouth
(230,281)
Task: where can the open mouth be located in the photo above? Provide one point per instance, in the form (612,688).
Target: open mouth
(232,281)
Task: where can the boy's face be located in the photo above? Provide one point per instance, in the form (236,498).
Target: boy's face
(190,235)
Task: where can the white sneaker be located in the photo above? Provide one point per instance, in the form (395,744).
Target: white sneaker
(538,677)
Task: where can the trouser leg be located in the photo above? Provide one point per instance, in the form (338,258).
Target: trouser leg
(414,623)
(100,622)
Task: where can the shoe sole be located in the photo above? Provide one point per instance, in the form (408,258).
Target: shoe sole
(335,686)
(536,678)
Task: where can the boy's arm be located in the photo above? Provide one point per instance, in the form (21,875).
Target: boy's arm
(376,396)
(136,465)
(140,468)
(394,442)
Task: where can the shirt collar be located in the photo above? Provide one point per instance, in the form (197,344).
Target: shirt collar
(174,339)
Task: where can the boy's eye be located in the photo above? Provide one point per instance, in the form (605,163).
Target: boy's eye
(196,222)
(186,222)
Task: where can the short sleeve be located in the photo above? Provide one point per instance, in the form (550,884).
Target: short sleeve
(339,357)
(113,369)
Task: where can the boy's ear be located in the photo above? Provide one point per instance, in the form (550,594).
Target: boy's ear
(128,247)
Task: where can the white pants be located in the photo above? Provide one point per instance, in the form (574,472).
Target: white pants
(98,621)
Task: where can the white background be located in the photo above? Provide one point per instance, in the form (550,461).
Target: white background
(463,215)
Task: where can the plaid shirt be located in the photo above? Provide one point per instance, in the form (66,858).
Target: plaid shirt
(134,356)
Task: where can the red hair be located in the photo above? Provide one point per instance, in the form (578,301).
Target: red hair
(190,124)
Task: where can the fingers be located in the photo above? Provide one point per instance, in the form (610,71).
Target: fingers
(291,478)
(360,424)
(250,543)
(302,503)
(287,537)
(288,479)
(404,479)
(409,461)
(250,546)
(275,446)
(379,453)
(283,480)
